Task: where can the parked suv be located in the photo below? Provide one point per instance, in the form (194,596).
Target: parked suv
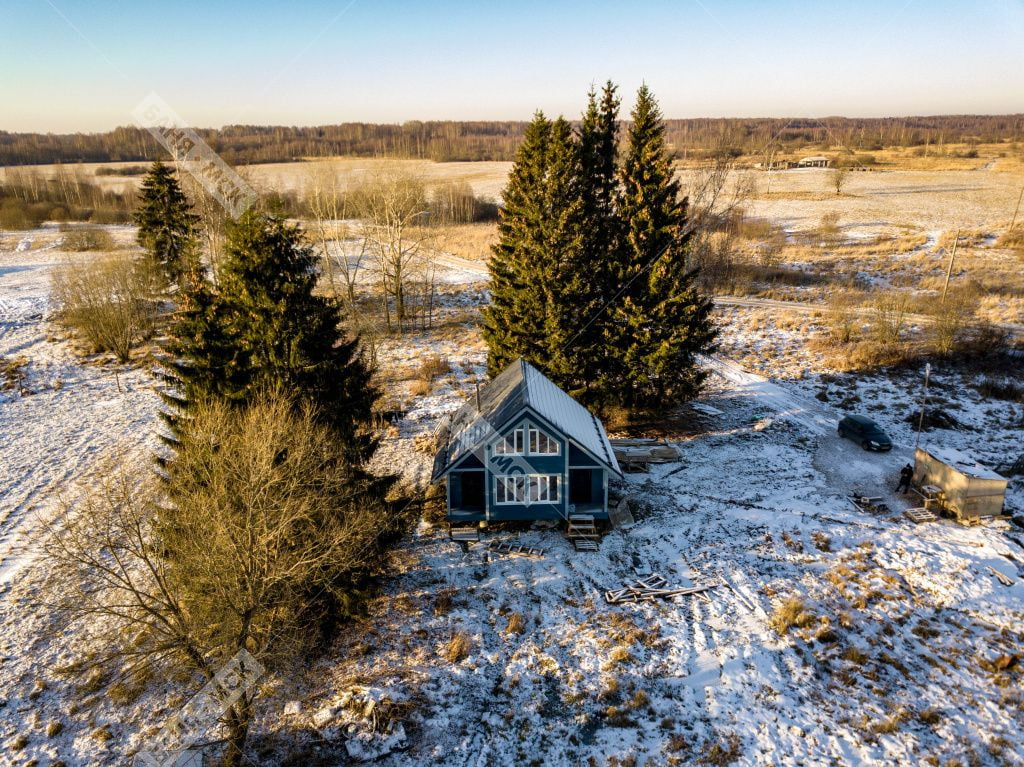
(864,432)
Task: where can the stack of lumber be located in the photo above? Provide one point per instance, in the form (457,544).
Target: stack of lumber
(640,453)
(919,515)
(516,549)
(650,588)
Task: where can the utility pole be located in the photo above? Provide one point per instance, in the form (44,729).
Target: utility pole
(924,403)
(949,271)
(1017,209)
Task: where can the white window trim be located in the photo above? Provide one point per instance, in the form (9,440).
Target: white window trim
(526,479)
(551,441)
(517,436)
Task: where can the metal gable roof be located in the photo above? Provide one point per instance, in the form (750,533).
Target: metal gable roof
(518,387)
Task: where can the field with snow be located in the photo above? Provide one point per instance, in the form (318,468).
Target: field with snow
(828,637)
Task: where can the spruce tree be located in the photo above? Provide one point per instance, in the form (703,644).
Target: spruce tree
(514,320)
(166,224)
(602,233)
(560,265)
(262,328)
(662,321)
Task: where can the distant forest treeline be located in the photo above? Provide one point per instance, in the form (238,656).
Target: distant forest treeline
(451,141)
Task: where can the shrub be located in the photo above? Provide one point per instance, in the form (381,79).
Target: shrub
(433,366)
(829,229)
(88,238)
(108,302)
(54,728)
(889,316)
(1012,238)
(950,320)
(1003,389)
(842,318)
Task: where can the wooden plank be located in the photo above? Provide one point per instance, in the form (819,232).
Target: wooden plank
(1003,579)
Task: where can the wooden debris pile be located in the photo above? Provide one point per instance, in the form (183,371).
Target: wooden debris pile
(652,587)
(870,504)
(515,549)
(639,454)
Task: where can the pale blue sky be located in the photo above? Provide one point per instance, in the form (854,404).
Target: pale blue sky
(73,65)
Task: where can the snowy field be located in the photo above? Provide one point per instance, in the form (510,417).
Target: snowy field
(899,645)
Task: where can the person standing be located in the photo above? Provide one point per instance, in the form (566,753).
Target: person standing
(906,475)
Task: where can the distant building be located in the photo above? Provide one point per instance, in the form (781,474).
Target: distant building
(524,450)
(815,161)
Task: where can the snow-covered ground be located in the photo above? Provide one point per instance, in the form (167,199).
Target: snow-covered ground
(64,415)
(894,655)
(889,662)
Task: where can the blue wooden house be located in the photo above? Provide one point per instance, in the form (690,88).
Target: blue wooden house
(524,450)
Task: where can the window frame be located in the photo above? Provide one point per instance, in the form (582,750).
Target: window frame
(517,439)
(537,432)
(528,485)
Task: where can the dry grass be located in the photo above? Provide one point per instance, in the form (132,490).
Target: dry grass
(722,752)
(516,624)
(458,648)
(792,613)
(469,241)
(12,372)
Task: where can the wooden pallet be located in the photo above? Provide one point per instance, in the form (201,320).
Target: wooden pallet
(584,544)
(515,549)
(919,515)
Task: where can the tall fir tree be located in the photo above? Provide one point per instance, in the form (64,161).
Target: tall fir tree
(601,229)
(514,320)
(166,224)
(263,327)
(559,266)
(662,321)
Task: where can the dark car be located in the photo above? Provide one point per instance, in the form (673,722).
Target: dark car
(864,432)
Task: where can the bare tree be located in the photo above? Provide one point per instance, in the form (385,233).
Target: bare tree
(394,211)
(837,178)
(212,221)
(717,193)
(262,526)
(330,210)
